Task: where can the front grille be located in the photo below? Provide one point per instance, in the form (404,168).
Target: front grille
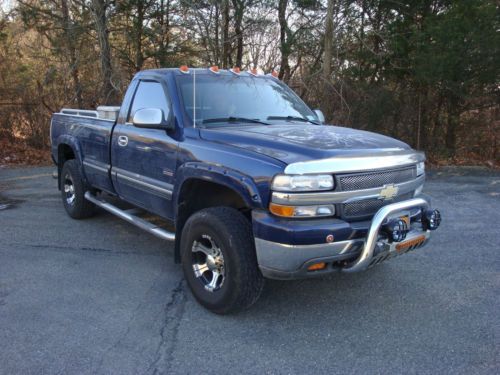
(368,207)
(359,181)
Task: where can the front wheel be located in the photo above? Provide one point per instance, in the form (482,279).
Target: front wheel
(219,260)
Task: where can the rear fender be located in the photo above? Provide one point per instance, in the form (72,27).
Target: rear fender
(73,143)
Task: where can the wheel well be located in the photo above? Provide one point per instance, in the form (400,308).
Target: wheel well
(64,153)
(196,195)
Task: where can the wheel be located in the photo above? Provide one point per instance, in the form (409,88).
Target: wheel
(73,189)
(219,260)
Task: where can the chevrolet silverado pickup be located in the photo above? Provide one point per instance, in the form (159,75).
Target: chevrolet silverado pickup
(245,179)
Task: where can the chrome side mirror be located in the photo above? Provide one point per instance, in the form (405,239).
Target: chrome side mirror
(320,115)
(151,118)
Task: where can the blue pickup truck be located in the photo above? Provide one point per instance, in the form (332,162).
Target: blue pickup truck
(245,178)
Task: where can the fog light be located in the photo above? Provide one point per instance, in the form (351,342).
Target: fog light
(431,219)
(397,230)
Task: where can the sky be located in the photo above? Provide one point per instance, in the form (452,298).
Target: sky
(6,5)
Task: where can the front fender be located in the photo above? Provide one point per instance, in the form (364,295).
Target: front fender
(242,184)
(234,180)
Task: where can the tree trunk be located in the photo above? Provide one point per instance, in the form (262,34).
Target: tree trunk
(451,130)
(226,46)
(361,38)
(328,42)
(139,57)
(108,92)
(73,60)
(285,41)
(238,20)
(216,38)
(163,18)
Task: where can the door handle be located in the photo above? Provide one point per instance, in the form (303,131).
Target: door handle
(122,140)
(144,148)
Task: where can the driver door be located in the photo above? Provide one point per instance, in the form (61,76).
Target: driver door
(144,160)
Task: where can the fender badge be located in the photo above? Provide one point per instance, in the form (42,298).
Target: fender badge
(388,192)
(168,172)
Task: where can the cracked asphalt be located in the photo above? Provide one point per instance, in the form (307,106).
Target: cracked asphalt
(101,296)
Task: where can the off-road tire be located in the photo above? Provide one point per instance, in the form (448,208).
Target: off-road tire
(242,280)
(79,207)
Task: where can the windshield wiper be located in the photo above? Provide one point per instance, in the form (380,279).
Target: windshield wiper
(292,118)
(233,119)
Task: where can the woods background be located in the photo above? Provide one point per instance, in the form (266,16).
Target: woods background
(424,71)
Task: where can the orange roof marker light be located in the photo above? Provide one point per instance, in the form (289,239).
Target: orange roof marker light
(184,69)
(214,69)
(236,70)
(253,71)
(274,73)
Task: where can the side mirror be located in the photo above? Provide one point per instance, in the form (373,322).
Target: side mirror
(151,118)
(320,115)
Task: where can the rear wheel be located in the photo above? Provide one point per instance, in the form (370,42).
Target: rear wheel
(73,189)
(219,260)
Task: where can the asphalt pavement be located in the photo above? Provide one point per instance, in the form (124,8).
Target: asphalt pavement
(101,296)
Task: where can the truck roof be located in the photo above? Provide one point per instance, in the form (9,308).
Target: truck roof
(201,71)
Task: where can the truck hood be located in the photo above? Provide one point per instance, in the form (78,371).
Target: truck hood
(292,143)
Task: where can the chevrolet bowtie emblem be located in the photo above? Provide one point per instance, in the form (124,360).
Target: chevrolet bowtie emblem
(388,192)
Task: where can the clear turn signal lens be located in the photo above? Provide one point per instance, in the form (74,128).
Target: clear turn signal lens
(420,168)
(418,190)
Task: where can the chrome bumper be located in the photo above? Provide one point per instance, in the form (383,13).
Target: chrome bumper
(282,261)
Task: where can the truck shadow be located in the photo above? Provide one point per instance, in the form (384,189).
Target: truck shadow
(386,289)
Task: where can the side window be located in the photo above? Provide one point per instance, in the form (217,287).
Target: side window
(149,95)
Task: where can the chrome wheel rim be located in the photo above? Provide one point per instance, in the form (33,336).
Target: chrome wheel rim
(69,190)
(208,263)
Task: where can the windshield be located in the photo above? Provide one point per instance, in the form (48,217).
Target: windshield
(228,99)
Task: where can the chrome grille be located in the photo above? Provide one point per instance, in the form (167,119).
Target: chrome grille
(368,207)
(359,181)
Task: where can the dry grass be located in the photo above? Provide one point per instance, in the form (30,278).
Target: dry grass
(18,153)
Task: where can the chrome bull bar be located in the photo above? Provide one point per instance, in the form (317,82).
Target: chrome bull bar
(365,258)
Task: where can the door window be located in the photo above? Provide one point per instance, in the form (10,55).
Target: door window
(149,95)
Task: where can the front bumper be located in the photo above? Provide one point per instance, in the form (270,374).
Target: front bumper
(291,261)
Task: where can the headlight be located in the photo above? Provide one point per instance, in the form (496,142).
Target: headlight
(420,168)
(302,211)
(302,182)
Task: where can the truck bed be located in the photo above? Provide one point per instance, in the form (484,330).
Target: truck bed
(91,136)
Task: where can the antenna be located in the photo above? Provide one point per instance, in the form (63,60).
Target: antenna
(194,98)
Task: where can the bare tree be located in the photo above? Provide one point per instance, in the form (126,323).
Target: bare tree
(99,10)
(328,40)
(226,42)
(285,41)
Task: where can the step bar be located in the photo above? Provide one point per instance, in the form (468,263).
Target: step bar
(132,219)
